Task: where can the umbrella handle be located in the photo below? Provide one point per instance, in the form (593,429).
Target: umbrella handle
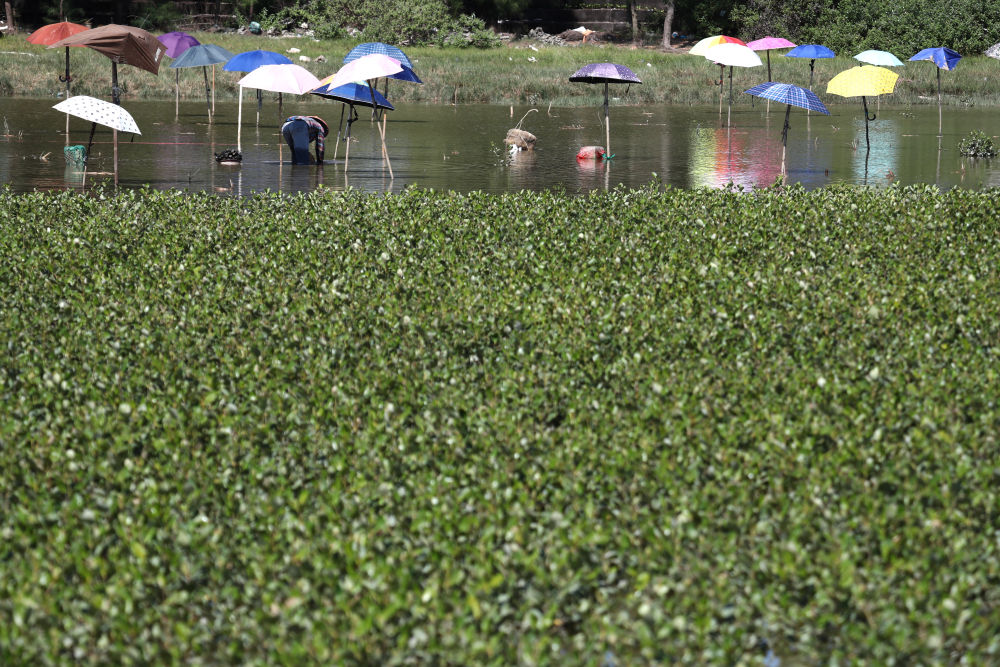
(65,79)
(869,117)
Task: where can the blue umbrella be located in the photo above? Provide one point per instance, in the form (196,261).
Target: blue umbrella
(351,95)
(812,52)
(879,58)
(378,47)
(251,60)
(200,55)
(944,58)
(786,93)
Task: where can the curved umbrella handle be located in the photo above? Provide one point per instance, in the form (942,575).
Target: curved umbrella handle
(65,79)
(869,116)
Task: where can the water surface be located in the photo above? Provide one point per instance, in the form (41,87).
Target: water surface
(461,148)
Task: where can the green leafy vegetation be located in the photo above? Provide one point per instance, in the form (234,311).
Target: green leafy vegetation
(669,426)
(977,144)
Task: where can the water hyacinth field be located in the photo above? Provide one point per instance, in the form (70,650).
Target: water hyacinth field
(635,427)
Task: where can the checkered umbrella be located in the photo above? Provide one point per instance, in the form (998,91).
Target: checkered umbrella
(786,93)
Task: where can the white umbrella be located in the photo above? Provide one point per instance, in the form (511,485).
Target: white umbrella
(292,79)
(99,112)
(734,55)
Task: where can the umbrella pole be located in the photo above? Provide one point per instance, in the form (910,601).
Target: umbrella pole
(177,94)
(114,83)
(729,112)
(213,90)
(208,92)
(784,137)
(385,153)
(722,78)
(607,123)
(239,121)
(812,64)
(347,153)
(67,94)
(768,52)
(93,126)
(260,101)
(279,105)
(939,101)
(115,134)
(340,128)
(864,102)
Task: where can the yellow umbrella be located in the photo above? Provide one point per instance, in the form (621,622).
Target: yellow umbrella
(864,82)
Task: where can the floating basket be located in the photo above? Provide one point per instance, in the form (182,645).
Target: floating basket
(76,155)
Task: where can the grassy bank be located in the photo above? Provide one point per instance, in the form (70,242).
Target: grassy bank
(492,76)
(672,427)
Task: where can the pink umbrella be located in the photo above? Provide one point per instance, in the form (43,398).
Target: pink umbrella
(768,43)
(279,79)
(366,68)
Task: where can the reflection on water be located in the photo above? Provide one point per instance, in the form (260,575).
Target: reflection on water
(449,147)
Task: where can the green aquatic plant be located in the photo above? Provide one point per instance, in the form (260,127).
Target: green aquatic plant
(977,144)
(657,425)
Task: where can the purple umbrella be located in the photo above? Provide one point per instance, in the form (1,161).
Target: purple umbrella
(177,43)
(605,73)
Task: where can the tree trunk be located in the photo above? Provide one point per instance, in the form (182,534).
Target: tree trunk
(668,21)
(635,21)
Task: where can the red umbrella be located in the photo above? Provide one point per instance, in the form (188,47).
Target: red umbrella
(53,33)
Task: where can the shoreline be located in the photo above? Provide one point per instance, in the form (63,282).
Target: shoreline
(522,72)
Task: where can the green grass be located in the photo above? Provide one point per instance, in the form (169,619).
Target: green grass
(500,76)
(514,429)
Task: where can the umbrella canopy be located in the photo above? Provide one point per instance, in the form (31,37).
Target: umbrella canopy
(941,56)
(251,60)
(369,48)
(354,93)
(879,58)
(993,51)
(863,81)
(100,112)
(768,43)
(707,43)
(605,73)
(789,95)
(55,32)
(177,43)
(811,51)
(406,75)
(786,93)
(371,66)
(733,55)
(122,44)
(202,55)
(291,78)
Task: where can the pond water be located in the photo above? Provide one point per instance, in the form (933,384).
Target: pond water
(461,148)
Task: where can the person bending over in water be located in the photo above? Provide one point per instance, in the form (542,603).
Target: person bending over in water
(300,131)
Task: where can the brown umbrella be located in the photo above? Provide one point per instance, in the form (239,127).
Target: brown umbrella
(122,44)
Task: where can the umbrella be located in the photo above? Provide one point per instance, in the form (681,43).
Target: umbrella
(733,55)
(879,58)
(767,44)
(248,61)
(279,79)
(605,73)
(863,81)
(51,34)
(993,51)
(790,95)
(707,43)
(99,112)
(945,59)
(177,43)
(201,55)
(351,94)
(368,67)
(121,44)
(369,48)
(812,52)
